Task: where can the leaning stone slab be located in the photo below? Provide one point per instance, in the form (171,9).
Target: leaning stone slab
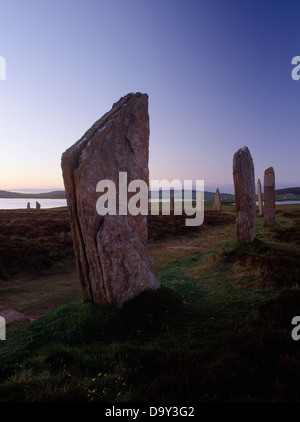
(244,190)
(111,250)
(269,196)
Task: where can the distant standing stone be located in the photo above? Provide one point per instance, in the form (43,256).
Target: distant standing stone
(111,250)
(38,206)
(28,206)
(171,205)
(217,201)
(260,198)
(244,189)
(269,196)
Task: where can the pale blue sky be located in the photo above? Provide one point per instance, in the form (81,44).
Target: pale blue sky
(217,72)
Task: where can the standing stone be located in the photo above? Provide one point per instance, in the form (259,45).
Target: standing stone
(260,198)
(171,205)
(244,189)
(37,205)
(28,206)
(111,251)
(269,196)
(217,201)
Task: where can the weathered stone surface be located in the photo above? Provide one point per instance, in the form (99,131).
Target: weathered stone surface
(217,201)
(260,198)
(37,205)
(244,189)
(28,205)
(269,196)
(111,250)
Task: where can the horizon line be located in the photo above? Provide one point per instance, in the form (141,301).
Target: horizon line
(213,186)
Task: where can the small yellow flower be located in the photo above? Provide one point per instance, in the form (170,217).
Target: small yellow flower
(93,379)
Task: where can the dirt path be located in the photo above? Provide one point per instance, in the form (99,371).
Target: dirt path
(11,314)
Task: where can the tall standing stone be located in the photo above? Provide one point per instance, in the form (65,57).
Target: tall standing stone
(260,198)
(38,205)
(111,250)
(269,196)
(244,190)
(217,201)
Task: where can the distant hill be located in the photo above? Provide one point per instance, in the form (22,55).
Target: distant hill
(288,194)
(207,195)
(58,194)
(288,191)
(62,194)
(6,194)
(281,194)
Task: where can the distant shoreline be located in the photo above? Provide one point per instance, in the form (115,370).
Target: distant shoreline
(282,195)
(44,195)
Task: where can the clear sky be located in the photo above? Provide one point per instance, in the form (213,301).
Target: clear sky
(217,72)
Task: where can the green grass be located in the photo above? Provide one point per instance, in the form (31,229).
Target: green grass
(33,297)
(219,329)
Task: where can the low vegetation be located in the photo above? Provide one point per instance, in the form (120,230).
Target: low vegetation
(219,329)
